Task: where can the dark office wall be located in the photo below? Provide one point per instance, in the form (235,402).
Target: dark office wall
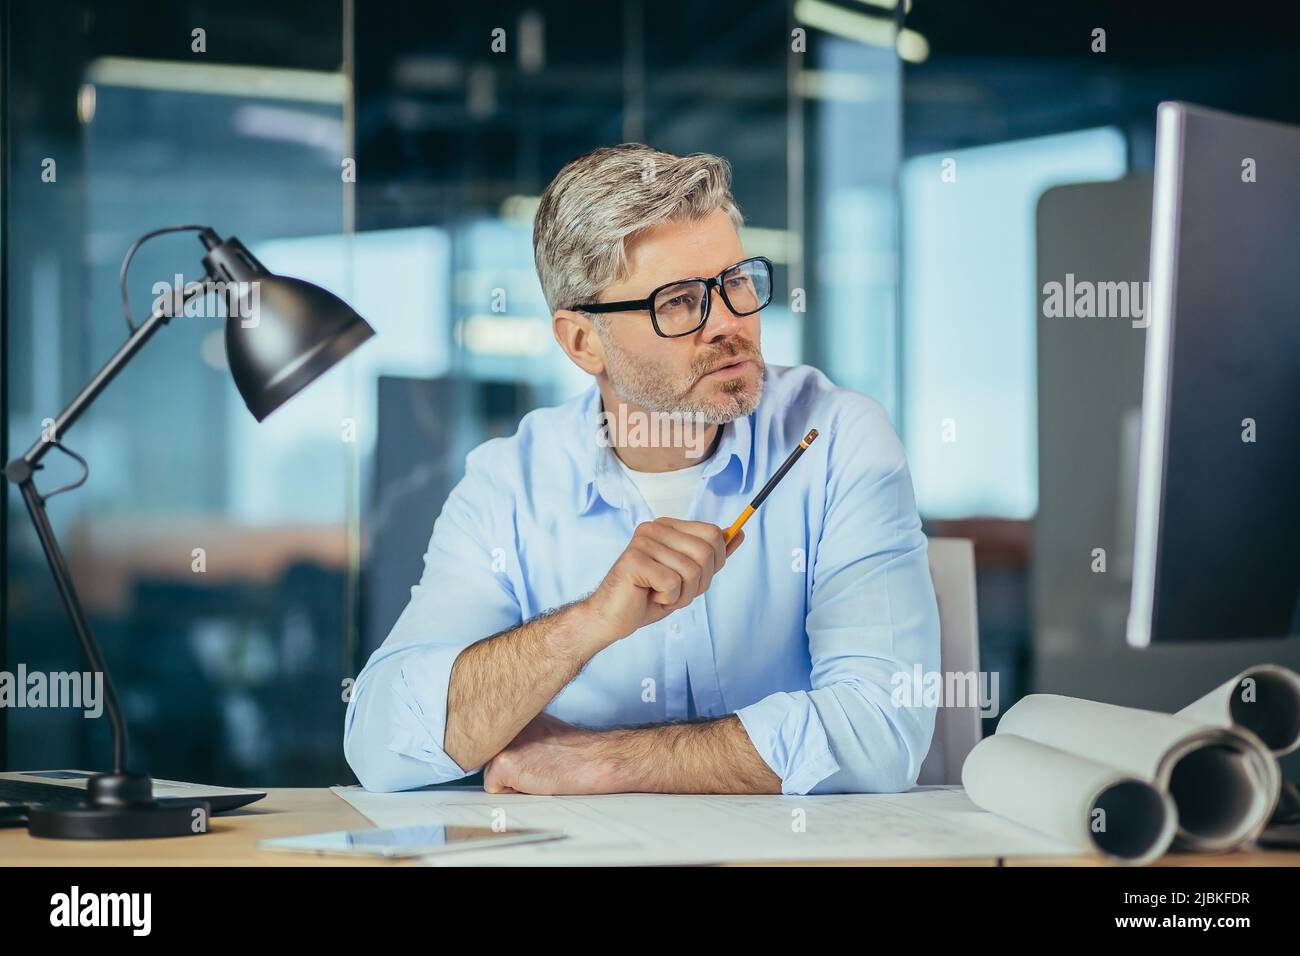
(1002,70)
(448,125)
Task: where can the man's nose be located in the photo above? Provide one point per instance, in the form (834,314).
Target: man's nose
(722,322)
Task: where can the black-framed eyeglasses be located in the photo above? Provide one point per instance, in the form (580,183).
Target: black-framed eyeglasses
(682,307)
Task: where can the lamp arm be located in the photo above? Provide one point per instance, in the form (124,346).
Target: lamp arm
(91,390)
(21,471)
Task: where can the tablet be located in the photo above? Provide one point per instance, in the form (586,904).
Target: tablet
(421,840)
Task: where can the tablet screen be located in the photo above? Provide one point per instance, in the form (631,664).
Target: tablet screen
(418,840)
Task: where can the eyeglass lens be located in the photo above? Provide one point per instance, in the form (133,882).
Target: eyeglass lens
(680,308)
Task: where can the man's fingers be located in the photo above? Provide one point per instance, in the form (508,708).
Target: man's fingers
(676,560)
(734,543)
(649,572)
(701,529)
(494,778)
(710,534)
(686,536)
(693,577)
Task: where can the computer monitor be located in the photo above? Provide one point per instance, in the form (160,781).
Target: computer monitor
(1217,542)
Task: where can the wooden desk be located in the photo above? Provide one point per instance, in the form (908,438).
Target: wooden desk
(233,838)
(231,841)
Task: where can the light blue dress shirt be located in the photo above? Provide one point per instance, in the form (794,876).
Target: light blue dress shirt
(800,634)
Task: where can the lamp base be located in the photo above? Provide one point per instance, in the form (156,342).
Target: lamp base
(120,806)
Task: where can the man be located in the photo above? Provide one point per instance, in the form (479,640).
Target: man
(581,625)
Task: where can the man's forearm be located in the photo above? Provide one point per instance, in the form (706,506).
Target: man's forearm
(714,756)
(502,682)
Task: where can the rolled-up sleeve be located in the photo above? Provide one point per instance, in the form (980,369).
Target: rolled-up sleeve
(872,617)
(397,716)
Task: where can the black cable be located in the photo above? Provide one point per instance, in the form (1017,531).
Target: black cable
(130,254)
(85,472)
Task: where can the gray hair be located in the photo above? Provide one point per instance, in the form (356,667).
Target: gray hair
(606,197)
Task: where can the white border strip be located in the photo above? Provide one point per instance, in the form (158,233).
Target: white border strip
(1170,122)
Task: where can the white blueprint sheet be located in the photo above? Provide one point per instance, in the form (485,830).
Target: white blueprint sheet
(635,828)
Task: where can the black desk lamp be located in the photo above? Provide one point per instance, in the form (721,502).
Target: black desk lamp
(281,334)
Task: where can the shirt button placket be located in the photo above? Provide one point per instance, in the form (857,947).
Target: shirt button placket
(675,658)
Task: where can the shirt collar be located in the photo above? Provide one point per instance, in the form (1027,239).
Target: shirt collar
(600,477)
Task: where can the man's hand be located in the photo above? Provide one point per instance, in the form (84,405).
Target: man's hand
(667,565)
(549,757)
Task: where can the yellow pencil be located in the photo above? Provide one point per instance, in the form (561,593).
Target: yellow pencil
(771,483)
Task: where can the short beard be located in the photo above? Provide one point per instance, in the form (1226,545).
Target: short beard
(649,385)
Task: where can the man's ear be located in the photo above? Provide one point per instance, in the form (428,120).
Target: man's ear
(578,338)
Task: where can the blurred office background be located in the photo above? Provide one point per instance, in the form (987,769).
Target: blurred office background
(917,175)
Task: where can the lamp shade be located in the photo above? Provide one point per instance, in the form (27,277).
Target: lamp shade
(281,333)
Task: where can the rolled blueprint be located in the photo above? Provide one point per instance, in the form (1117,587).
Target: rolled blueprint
(1078,801)
(1223,780)
(1265,700)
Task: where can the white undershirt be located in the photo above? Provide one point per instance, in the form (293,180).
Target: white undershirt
(669,494)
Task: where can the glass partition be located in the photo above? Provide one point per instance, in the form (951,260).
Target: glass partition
(215,559)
